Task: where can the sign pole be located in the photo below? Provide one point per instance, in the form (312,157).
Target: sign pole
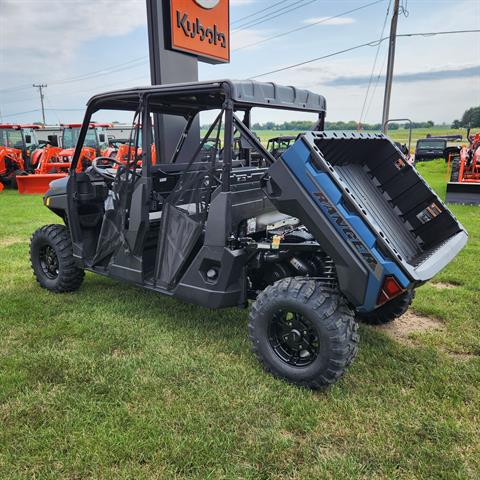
(167,66)
(180,34)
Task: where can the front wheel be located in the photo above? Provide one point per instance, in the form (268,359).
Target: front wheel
(52,259)
(303,332)
(12,178)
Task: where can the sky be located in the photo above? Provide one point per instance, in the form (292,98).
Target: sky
(83,47)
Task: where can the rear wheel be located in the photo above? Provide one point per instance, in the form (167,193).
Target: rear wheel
(52,259)
(303,333)
(388,312)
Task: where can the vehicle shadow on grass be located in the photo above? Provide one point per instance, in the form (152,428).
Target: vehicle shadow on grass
(111,318)
(380,357)
(168,312)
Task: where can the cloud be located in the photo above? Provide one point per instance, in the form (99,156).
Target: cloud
(410,77)
(46,31)
(248,38)
(329,21)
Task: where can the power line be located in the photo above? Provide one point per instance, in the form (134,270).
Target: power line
(323,20)
(136,62)
(47,101)
(23,86)
(375,63)
(22,100)
(101,73)
(65,109)
(47,110)
(259,11)
(21,113)
(373,43)
(89,91)
(377,81)
(86,76)
(269,17)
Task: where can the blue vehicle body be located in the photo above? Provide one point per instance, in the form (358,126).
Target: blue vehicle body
(332,205)
(388,219)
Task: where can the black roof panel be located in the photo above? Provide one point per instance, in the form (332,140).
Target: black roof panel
(204,95)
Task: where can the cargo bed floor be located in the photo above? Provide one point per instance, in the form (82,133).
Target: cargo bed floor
(361,185)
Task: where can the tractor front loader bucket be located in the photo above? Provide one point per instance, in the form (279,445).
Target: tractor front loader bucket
(463,192)
(37,183)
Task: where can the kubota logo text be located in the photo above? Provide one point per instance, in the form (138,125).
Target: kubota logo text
(195,29)
(201,28)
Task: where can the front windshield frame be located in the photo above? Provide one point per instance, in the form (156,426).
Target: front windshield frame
(431,144)
(71,134)
(12,138)
(33,134)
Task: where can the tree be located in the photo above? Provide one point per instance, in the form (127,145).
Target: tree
(471,117)
(457,124)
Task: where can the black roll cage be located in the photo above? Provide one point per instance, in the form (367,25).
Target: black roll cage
(188,100)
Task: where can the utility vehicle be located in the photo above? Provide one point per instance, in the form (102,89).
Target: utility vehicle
(430,149)
(53,162)
(277,145)
(19,147)
(339,228)
(464,184)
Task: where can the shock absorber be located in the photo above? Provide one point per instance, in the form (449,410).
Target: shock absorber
(328,272)
(300,266)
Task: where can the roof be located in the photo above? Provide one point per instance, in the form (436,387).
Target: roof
(429,140)
(283,138)
(196,96)
(91,125)
(15,126)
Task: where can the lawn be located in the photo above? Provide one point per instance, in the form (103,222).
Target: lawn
(116,382)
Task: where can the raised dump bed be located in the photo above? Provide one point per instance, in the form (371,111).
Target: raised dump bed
(369,195)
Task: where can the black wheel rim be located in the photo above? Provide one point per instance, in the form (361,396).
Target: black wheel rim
(49,262)
(293,338)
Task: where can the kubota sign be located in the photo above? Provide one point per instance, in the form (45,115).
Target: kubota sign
(202,28)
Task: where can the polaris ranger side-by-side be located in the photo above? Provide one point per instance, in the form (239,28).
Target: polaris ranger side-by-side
(339,228)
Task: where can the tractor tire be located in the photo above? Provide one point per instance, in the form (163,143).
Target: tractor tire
(13,178)
(51,256)
(389,312)
(455,169)
(303,333)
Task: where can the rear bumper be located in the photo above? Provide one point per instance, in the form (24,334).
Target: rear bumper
(422,157)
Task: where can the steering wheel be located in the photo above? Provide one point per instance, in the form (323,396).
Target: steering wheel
(105,170)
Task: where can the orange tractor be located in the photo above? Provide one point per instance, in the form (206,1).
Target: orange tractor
(464,185)
(55,162)
(19,151)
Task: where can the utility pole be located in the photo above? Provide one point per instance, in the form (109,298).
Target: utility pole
(390,65)
(40,89)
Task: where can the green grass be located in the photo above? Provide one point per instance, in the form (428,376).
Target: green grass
(116,382)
